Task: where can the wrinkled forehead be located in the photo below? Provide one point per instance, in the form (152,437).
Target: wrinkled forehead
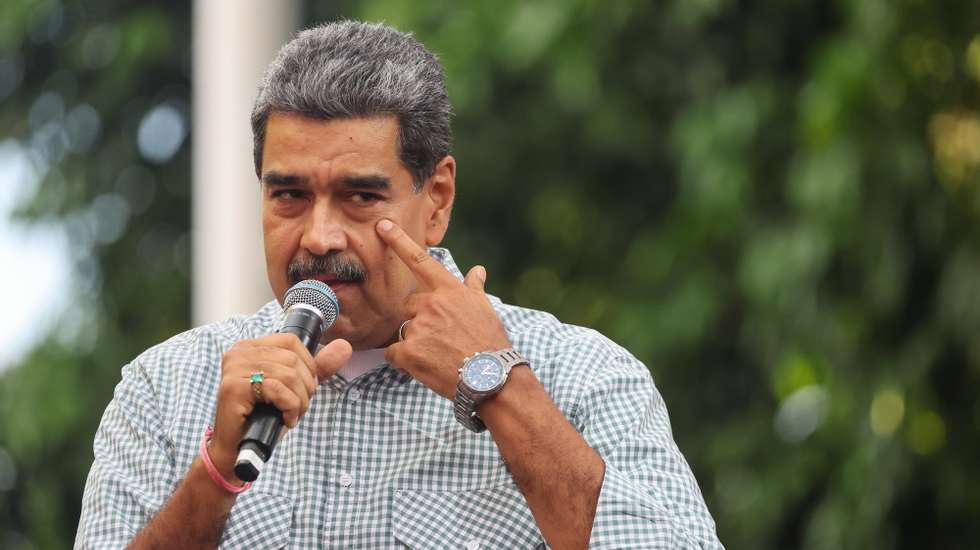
(327,149)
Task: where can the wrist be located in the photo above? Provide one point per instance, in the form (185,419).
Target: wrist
(220,465)
(482,377)
(224,463)
(510,403)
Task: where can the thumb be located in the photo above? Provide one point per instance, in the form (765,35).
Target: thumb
(476,277)
(331,358)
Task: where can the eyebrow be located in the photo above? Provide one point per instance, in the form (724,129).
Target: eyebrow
(372,182)
(278,179)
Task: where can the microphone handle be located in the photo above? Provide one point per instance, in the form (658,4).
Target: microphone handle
(264,424)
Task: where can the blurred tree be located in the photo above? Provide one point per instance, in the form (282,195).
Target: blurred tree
(96,95)
(774,204)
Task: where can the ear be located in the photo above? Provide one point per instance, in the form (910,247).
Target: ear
(440,191)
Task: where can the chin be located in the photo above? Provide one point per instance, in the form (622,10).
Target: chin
(342,329)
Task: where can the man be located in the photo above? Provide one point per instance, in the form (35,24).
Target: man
(388,446)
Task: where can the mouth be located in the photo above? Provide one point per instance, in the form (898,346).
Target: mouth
(336,284)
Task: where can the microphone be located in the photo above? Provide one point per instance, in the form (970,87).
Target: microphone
(309,308)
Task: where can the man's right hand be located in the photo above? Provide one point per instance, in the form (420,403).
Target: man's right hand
(291,378)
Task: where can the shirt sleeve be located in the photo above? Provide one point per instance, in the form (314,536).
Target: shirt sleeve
(649,496)
(133,471)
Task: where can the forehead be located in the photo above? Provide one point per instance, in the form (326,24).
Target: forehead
(328,149)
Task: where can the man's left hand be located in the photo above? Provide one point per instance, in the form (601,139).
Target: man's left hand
(448,320)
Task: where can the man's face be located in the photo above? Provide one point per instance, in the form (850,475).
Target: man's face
(325,185)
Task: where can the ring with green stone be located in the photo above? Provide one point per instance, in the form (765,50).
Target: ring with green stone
(256,379)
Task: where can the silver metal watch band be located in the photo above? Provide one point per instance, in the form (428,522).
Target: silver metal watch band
(511,358)
(465,409)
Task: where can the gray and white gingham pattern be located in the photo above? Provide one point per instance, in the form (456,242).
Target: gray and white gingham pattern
(380,461)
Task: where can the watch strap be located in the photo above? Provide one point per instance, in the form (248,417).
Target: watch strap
(511,358)
(464,407)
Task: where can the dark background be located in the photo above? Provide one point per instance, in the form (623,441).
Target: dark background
(773,204)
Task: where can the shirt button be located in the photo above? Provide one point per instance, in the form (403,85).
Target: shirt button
(346,479)
(354,394)
(473,545)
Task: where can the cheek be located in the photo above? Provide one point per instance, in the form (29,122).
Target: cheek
(281,242)
(365,247)
(400,280)
(277,240)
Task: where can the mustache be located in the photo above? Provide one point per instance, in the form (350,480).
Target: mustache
(313,267)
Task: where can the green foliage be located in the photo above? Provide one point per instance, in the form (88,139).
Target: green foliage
(774,204)
(127,220)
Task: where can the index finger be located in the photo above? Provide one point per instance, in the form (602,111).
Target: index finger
(429,272)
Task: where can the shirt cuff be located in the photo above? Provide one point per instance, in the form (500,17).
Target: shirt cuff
(627,516)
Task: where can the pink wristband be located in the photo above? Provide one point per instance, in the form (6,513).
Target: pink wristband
(212,471)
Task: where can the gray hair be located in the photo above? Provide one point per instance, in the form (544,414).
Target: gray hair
(350,69)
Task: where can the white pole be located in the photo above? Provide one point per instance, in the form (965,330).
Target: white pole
(234,40)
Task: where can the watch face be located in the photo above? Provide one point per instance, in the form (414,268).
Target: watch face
(483,373)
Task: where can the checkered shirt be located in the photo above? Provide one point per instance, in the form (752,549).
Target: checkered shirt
(381,462)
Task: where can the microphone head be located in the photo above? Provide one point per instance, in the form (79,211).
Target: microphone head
(315,294)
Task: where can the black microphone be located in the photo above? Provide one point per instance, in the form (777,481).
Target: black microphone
(309,308)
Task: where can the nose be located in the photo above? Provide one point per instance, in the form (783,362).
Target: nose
(323,232)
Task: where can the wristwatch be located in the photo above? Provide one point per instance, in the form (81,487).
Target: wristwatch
(481,377)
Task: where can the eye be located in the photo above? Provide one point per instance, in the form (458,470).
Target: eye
(364,197)
(287,194)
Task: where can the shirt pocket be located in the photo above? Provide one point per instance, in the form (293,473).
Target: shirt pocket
(496,517)
(258,520)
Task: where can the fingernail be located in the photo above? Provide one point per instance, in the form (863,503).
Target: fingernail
(384,225)
(481,272)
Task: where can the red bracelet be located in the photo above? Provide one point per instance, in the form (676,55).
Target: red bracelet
(212,471)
